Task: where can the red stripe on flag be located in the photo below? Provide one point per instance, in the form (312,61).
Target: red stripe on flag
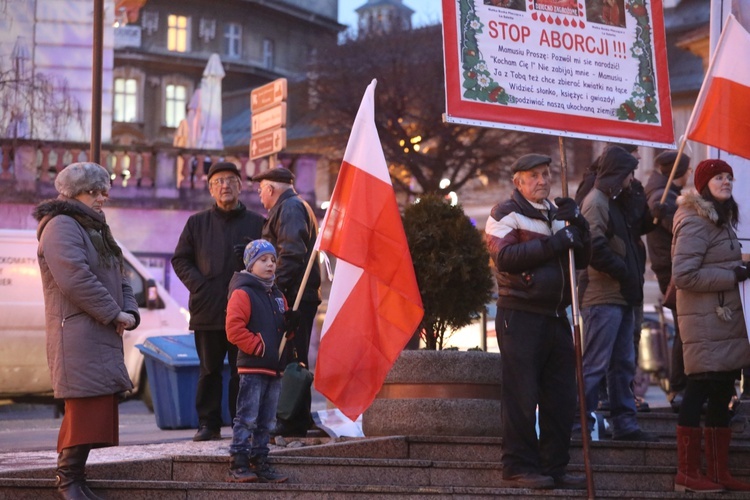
(723,121)
(360,346)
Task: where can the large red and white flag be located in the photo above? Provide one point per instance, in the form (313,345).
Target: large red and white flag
(374,306)
(721,117)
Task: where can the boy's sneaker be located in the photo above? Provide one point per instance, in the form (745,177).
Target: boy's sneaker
(239,470)
(264,471)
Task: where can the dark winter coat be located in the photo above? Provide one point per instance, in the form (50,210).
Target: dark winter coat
(660,239)
(530,275)
(84,291)
(255,324)
(614,275)
(204,260)
(293,229)
(704,254)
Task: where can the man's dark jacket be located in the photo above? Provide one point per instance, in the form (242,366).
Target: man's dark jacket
(293,229)
(660,239)
(204,260)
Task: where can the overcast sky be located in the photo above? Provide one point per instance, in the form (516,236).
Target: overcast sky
(426,11)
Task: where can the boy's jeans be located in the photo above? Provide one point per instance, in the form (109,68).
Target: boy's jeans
(256,414)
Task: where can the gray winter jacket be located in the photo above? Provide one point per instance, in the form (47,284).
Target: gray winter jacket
(704,254)
(82,298)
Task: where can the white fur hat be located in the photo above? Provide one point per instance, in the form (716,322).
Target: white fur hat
(77,178)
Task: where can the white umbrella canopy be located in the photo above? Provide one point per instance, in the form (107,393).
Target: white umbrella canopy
(210,105)
(188,132)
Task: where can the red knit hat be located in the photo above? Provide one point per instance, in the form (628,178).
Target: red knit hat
(707,169)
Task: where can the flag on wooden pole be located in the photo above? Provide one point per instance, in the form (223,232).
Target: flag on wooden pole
(374,306)
(721,117)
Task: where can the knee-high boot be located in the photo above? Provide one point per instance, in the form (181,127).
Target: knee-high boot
(71,474)
(689,477)
(717,459)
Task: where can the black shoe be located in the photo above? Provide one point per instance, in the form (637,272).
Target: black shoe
(569,481)
(283,430)
(641,406)
(205,433)
(264,471)
(637,435)
(529,480)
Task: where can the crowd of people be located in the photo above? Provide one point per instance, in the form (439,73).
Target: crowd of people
(697,259)
(245,274)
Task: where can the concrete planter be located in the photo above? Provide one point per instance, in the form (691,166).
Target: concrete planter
(438,393)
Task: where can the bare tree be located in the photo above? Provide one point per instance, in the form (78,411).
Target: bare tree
(421,149)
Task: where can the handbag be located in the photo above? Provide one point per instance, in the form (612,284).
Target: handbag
(295,385)
(670,296)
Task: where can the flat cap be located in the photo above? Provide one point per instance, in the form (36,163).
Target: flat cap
(279,174)
(529,161)
(223,166)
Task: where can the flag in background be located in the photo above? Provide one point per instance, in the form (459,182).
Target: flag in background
(721,117)
(374,306)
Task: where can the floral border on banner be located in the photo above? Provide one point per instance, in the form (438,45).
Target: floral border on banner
(479,84)
(641,106)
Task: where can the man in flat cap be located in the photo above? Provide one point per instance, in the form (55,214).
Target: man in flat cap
(529,244)
(293,229)
(204,260)
(611,288)
(659,243)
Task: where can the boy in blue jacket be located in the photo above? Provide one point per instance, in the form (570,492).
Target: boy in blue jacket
(256,325)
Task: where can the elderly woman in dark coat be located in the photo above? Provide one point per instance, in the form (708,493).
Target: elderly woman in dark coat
(88,304)
(706,268)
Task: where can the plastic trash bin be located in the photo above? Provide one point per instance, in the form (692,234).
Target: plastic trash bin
(172,368)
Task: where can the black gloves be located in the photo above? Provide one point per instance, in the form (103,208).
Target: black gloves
(239,253)
(565,238)
(291,320)
(741,272)
(659,211)
(567,210)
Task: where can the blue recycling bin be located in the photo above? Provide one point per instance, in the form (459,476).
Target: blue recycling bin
(173,368)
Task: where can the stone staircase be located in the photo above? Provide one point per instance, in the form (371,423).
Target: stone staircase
(411,467)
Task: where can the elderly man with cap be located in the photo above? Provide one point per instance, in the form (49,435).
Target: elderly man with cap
(529,244)
(293,229)
(610,289)
(659,243)
(205,261)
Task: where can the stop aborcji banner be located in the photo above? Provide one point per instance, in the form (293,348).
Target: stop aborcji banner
(593,69)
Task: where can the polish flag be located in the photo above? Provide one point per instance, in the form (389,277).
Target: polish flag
(374,306)
(721,117)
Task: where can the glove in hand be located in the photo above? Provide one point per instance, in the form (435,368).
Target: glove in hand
(565,238)
(659,211)
(741,272)
(291,320)
(567,210)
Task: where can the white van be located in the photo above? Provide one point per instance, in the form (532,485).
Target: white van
(24,374)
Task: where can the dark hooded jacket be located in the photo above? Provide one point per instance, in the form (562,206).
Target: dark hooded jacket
(660,239)
(614,275)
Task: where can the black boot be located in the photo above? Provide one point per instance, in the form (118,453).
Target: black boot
(71,474)
(266,474)
(239,471)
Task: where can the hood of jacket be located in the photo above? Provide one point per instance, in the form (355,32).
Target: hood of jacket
(614,165)
(244,279)
(702,206)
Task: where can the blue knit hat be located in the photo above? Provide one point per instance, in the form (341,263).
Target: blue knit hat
(255,250)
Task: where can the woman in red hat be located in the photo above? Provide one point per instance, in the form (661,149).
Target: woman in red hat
(706,268)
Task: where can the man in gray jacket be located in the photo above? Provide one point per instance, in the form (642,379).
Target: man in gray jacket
(205,261)
(610,288)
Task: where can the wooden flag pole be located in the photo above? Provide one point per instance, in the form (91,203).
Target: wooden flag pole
(577,341)
(313,257)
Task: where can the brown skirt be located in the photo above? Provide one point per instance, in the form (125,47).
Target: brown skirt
(94,421)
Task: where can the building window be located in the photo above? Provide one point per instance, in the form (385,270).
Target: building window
(268,53)
(126,100)
(232,40)
(177,33)
(175,102)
